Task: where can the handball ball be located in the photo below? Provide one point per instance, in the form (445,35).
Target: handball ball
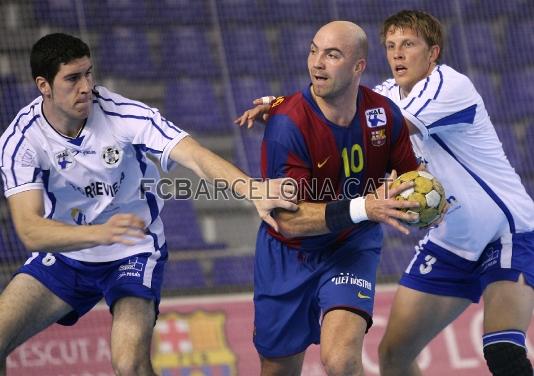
(427,191)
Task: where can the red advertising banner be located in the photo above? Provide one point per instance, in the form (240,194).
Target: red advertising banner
(213,336)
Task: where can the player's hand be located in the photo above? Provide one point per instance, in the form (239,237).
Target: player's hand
(125,229)
(259,112)
(381,205)
(272,194)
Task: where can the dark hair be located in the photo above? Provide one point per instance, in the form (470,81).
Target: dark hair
(424,24)
(52,50)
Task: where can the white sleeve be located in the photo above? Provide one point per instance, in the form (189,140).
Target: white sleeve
(20,165)
(159,136)
(445,100)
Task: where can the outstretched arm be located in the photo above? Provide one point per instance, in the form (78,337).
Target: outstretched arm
(266,195)
(41,234)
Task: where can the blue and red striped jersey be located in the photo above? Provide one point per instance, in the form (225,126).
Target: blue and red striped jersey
(330,161)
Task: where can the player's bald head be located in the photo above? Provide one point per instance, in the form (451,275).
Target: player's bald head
(348,35)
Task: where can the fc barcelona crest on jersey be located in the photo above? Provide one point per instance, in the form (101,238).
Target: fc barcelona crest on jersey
(64,160)
(376,117)
(111,155)
(378,137)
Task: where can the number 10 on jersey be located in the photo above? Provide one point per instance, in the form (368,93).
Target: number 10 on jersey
(353,161)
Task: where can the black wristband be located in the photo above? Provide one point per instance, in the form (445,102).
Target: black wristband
(337,215)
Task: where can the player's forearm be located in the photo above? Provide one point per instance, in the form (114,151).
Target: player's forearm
(47,235)
(210,166)
(309,220)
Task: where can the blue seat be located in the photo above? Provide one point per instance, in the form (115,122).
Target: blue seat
(518,95)
(520,43)
(246,89)
(240,12)
(480,49)
(125,12)
(187,52)
(247,51)
(11,248)
(183,12)
(294,48)
(193,105)
(182,230)
(376,59)
(233,271)
(185,274)
(63,13)
(373,10)
(295,83)
(252,139)
(314,12)
(125,52)
(486,86)
(13,97)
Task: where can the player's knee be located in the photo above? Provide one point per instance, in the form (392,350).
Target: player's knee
(506,354)
(342,363)
(129,365)
(387,354)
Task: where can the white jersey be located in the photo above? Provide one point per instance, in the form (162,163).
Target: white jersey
(458,143)
(87,179)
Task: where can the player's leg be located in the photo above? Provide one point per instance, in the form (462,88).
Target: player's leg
(286,314)
(415,319)
(342,334)
(346,297)
(508,304)
(132,290)
(283,366)
(435,288)
(131,336)
(26,308)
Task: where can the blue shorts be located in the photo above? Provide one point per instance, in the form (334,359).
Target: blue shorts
(83,284)
(293,290)
(437,271)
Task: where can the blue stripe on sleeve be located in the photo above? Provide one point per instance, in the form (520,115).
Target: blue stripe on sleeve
(465,116)
(409,104)
(482,183)
(18,146)
(51,196)
(98,95)
(440,82)
(422,108)
(138,118)
(424,87)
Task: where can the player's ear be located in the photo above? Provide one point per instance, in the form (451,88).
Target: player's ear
(43,86)
(360,66)
(434,53)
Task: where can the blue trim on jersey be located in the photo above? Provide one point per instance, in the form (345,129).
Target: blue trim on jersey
(422,108)
(152,205)
(138,118)
(171,125)
(144,148)
(409,104)
(15,130)
(140,158)
(430,99)
(36,173)
(465,116)
(97,94)
(424,87)
(51,196)
(18,146)
(483,184)
(440,82)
